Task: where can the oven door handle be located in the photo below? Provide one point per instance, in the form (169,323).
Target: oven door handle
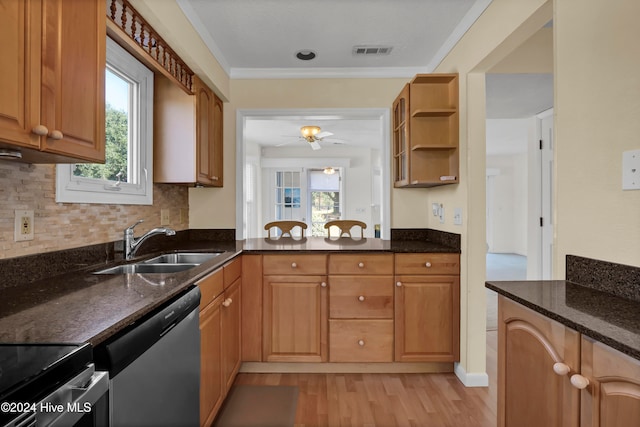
(73,400)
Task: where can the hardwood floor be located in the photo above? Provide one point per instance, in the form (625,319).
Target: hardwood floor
(386,400)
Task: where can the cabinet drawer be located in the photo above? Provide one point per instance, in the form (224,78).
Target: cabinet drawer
(361,297)
(232,271)
(360,340)
(428,264)
(210,287)
(361,264)
(294,264)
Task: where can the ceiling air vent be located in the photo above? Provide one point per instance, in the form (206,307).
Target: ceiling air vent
(371,50)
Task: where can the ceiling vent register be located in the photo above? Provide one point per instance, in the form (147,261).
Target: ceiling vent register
(371,50)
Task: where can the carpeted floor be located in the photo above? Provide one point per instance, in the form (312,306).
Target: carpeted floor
(259,406)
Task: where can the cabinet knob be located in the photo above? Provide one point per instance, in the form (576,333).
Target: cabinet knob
(40,130)
(427,264)
(227,302)
(361,298)
(361,264)
(56,135)
(323,284)
(294,265)
(578,381)
(214,178)
(398,284)
(361,343)
(561,368)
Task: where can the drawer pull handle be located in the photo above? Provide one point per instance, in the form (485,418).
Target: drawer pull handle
(361,264)
(578,381)
(323,284)
(427,264)
(361,298)
(361,343)
(294,265)
(561,368)
(398,284)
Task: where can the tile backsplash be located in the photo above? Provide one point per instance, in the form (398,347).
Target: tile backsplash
(69,225)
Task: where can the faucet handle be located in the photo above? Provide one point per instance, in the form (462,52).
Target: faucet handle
(131,227)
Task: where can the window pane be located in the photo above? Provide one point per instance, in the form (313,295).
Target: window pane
(117,144)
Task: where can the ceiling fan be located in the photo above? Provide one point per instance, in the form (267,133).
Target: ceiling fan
(311,134)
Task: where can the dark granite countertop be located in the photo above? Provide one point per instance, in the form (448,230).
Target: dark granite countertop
(78,306)
(607,318)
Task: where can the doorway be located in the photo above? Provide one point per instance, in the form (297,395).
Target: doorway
(358,150)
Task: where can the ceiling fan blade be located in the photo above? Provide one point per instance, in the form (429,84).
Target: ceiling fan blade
(323,134)
(315,145)
(284,143)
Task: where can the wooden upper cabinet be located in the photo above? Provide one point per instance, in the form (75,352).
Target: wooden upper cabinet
(187,134)
(425,132)
(53,76)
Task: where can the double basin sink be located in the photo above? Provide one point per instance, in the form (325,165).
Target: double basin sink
(167,263)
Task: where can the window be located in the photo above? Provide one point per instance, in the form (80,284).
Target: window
(127,175)
(287,195)
(324,198)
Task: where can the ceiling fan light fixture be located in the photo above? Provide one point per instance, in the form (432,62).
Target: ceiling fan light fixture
(309,132)
(329,170)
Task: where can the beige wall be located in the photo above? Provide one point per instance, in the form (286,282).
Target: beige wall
(597,114)
(205,204)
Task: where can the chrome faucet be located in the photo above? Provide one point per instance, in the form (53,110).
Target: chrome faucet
(131,244)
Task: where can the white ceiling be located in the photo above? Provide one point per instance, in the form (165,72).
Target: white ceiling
(259,39)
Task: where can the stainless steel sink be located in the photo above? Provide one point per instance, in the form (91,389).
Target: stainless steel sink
(183,258)
(167,263)
(147,268)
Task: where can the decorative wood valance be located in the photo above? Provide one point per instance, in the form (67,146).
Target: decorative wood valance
(144,38)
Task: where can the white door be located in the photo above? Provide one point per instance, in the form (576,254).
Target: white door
(546,214)
(287,198)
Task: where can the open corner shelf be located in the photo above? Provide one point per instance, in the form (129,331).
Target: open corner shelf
(426,132)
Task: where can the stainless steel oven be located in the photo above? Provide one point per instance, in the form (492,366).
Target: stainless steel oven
(51,385)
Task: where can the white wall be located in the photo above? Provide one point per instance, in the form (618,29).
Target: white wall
(507,143)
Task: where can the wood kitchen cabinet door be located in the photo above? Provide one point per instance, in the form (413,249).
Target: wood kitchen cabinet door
(208,135)
(295,319)
(427,318)
(612,397)
(20,32)
(530,392)
(52,72)
(73,75)
(211,380)
(231,311)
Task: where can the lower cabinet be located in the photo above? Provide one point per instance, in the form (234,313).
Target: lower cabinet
(427,307)
(220,335)
(550,375)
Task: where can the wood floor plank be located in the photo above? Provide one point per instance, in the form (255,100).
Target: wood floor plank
(389,400)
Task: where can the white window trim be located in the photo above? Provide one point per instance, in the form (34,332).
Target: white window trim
(73,189)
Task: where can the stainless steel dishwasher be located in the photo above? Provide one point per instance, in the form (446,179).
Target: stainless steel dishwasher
(154,367)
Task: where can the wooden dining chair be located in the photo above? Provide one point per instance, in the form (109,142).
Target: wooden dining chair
(345,226)
(285,227)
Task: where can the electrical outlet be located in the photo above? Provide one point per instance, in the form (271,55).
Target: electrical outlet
(441,213)
(435,209)
(23,225)
(165,217)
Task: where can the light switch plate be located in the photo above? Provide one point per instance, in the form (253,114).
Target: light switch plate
(631,170)
(441,214)
(457,216)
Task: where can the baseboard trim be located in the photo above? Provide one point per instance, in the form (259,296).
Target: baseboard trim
(471,380)
(343,368)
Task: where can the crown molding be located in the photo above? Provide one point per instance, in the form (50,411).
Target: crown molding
(327,73)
